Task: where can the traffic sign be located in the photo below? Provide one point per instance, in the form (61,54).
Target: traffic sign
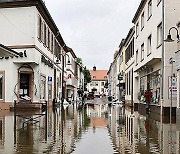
(49,79)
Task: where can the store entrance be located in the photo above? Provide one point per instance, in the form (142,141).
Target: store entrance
(24,85)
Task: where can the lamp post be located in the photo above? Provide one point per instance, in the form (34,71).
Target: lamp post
(63,54)
(171,61)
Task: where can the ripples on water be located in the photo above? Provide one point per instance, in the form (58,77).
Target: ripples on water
(97,129)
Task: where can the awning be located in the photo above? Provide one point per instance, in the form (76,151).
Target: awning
(6,52)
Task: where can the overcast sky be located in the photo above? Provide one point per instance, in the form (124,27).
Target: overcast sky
(93,28)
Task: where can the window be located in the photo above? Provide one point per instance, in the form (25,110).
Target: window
(43,87)
(136,57)
(142,21)
(42,31)
(102,90)
(94,77)
(102,83)
(48,39)
(149,45)
(142,51)
(96,84)
(137,29)
(129,83)
(159,34)
(150,9)
(1,86)
(39,27)
(45,41)
(52,43)
(142,85)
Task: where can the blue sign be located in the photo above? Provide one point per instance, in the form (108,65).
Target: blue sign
(49,80)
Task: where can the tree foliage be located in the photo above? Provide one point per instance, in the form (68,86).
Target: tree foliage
(79,61)
(87,75)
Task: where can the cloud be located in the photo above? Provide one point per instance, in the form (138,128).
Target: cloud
(93,28)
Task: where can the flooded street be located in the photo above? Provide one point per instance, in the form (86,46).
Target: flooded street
(95,129)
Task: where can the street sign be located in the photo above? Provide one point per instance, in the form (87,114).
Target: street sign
(49,79)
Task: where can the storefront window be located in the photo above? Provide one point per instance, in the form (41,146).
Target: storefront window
(142,85)
(155,86)
(43,87)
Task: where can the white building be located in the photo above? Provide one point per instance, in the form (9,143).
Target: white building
(28,28)
(129,68)
(75,77)
(152,21)
(98,81)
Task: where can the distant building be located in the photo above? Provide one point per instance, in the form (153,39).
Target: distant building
(98,80)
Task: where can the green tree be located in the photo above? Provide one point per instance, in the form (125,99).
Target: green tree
(79,61)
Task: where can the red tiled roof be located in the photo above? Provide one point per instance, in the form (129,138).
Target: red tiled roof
(98,75)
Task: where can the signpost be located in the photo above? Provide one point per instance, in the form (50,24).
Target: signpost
(49,86)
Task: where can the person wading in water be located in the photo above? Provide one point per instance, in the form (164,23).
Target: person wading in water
(148,96)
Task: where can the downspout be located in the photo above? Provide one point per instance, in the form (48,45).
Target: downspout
(162,60)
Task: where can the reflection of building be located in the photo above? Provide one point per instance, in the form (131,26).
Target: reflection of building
(98,81)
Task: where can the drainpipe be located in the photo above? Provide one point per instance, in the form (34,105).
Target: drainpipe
(162,60)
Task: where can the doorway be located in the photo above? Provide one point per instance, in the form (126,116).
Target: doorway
(25,85)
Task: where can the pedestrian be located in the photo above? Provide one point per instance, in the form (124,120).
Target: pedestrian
(148,97)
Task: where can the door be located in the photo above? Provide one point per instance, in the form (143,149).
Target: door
(24,85)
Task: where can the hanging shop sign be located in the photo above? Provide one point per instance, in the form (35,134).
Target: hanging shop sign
(46,61)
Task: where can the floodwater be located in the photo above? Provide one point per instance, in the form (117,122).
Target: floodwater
(96,129)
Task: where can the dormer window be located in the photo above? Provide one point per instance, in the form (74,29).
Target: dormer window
(94,77)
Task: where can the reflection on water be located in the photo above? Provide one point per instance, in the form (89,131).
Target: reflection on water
(95,129)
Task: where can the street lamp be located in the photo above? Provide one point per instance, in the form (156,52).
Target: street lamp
(169,38)
(63,54)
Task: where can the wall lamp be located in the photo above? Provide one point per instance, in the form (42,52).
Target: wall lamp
(169,38)
(63,55)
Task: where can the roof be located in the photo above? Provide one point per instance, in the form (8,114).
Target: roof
(139,10)
(98,75)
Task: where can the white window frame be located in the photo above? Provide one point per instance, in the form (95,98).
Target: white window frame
(137,57)
(159,35)
(142,21)
(149,8)
(137,29)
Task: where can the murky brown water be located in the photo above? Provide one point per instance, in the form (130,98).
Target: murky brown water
(97,129)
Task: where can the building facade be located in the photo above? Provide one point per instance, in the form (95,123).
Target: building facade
(152,21)
(98,81)
(129,67)
(28,28)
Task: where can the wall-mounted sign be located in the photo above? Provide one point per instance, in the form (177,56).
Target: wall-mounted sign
(46,61)
(49,79)
(69,76)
